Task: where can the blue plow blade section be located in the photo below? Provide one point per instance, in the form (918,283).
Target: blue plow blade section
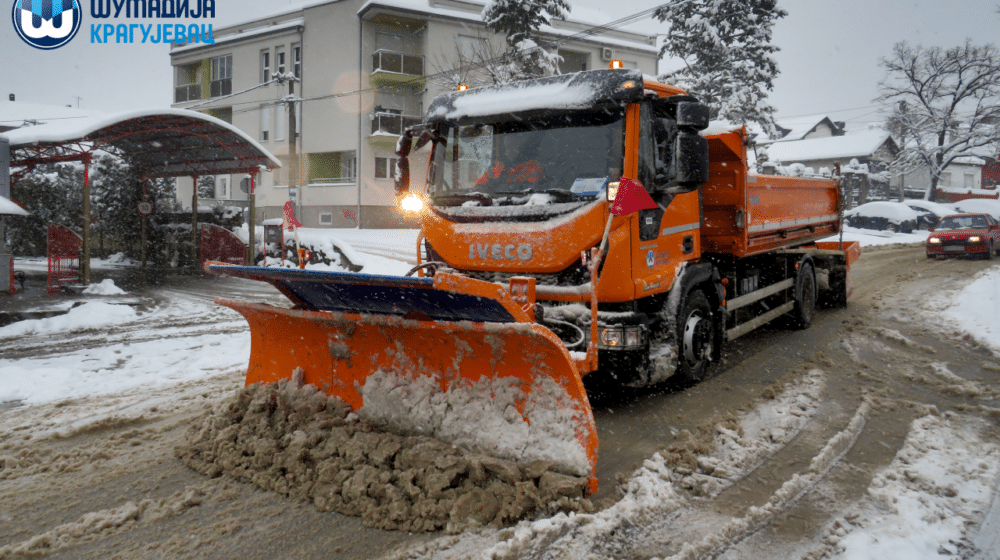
(405,296)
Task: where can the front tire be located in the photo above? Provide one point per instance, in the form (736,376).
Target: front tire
(695,338)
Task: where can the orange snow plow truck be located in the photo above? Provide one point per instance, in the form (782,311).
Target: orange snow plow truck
(530,282)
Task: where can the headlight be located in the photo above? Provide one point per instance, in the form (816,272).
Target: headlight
(975,239)
(613,190)
(934,240)
(411,203)
(622,337)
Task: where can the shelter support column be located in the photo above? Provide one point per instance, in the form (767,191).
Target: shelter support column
(145,220)
(252,219)
(85,257)
(194,222)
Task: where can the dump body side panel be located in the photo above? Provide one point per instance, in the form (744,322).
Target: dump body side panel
(748,214)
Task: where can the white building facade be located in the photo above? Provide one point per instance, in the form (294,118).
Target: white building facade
(366,70)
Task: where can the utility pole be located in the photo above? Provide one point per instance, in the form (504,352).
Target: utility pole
(293,156)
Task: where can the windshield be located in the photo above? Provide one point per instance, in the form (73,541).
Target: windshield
(560,158)
(962,222)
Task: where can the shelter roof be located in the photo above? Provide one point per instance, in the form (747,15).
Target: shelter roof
(8,208)
(157,142)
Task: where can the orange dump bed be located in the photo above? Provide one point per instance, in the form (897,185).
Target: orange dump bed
(749,214)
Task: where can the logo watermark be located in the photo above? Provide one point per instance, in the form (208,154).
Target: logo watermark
(152,9)
(46,24)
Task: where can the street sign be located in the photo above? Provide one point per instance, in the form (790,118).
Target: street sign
(145,207)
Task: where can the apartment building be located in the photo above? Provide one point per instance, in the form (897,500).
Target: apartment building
(366,70)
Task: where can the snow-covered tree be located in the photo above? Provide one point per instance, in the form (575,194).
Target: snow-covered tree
(725,48)
(527,55)
(520,19)
(945,104)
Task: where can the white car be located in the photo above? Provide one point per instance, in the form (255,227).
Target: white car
(882,215)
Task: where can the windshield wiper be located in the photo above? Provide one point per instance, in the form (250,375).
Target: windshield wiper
(451,199)
(559,194)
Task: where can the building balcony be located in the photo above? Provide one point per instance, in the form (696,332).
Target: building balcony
(388,127)
(187,92)
(333,181)
(393,68)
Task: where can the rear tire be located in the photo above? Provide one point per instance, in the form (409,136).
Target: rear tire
(695,338)
(805,297)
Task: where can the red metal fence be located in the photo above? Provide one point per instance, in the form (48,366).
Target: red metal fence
(64,257)
(221,245)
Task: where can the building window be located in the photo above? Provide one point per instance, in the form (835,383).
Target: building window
(265,67)
(222,188)
(279,61)
(970,181)
(349,167)
(297,60)
(326,218)
(222,75)
(470,47)
(187,83)
(281,111)
(265,122)
(384,167)
(944,180)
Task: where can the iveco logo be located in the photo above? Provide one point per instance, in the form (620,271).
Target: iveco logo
(500,252)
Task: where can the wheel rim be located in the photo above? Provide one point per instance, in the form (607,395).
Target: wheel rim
(697,339)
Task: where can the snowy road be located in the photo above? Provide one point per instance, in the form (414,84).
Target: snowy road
(870,435)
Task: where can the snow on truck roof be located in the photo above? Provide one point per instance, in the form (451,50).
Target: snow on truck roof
(579,90)
(165,142)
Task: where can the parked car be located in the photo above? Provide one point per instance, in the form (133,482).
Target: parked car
(928,213)
(883,215)
(978,206)
(965,234)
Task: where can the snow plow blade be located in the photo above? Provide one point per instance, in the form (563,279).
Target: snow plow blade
(450,357)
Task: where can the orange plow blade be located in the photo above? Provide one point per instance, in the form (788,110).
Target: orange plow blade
(510,389)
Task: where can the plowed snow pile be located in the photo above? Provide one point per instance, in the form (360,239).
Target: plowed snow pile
(302,443)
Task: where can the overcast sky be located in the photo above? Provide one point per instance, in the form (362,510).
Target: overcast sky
(828,60)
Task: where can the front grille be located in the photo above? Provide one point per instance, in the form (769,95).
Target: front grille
(569,277)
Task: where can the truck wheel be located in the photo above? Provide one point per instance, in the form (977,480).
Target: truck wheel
(695,337)
(805,297)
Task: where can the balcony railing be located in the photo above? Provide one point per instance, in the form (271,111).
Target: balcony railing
(187,92)
(392,123)
(332,181)
(395,67)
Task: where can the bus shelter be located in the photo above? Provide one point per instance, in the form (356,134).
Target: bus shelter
(154,142)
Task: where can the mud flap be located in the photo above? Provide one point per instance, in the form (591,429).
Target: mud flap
(510,389)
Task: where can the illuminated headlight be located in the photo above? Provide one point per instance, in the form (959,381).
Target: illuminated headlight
(621,338)
(412,203)
(934,240)
(612,191)
(975,239)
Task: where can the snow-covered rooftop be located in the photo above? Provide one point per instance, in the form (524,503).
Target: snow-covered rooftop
(639,36)
(860,144)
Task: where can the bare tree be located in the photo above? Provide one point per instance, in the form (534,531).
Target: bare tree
(480,61)
(945,105)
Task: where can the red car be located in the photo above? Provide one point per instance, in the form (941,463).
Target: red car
(965,234)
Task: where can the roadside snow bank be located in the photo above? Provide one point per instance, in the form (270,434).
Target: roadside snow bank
(304,444)
(90,315)
(921,506)
(975,308)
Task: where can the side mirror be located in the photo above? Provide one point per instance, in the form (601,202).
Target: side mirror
(692,116)
(690,161)
(404,145)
